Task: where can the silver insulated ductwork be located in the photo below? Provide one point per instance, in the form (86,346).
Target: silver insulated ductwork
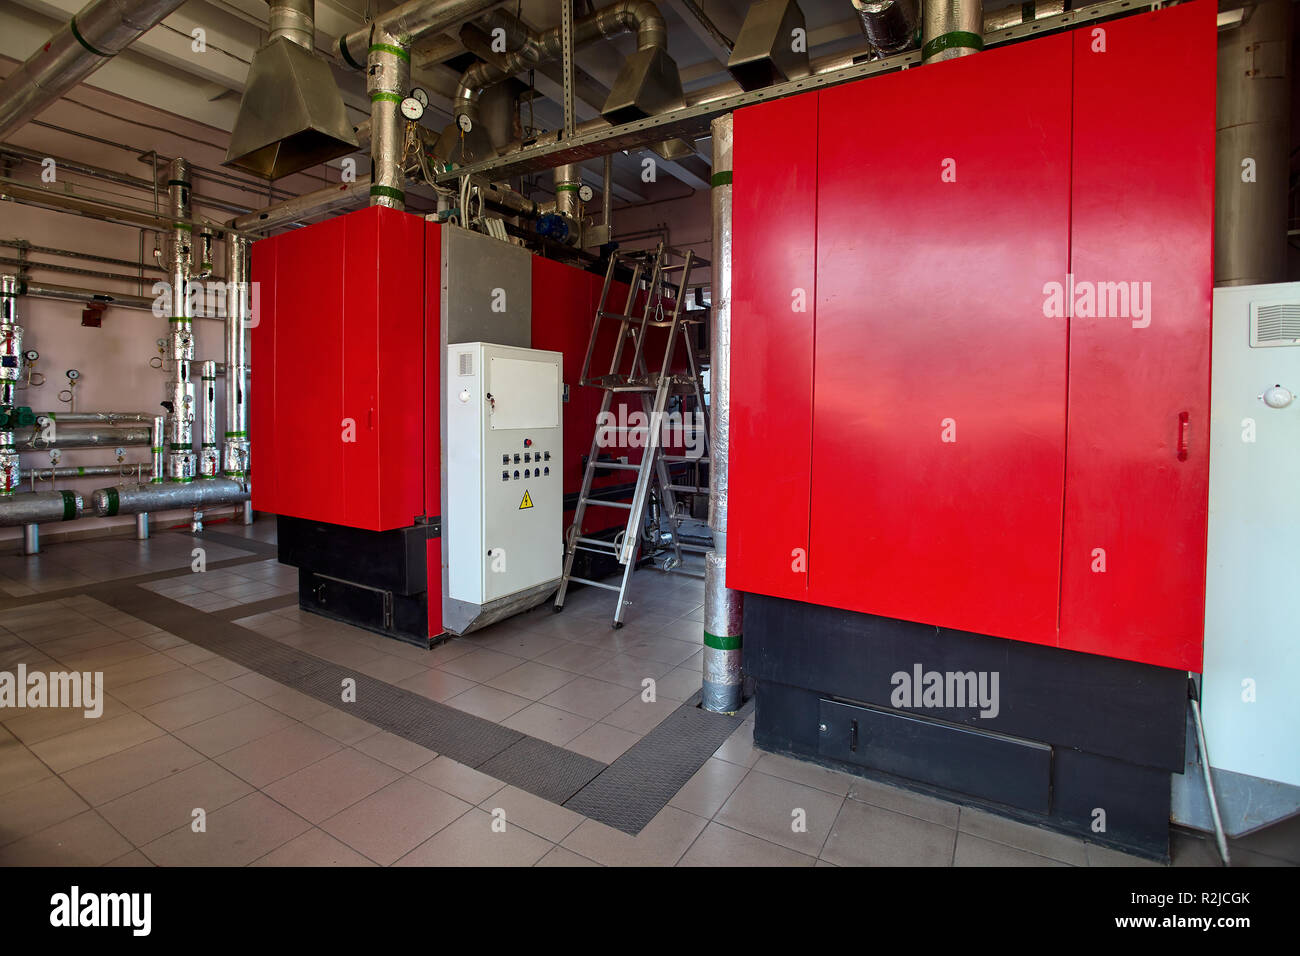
(99,31)
(951,28)
(291,116)
(647,83)
(170,496)
(888,25)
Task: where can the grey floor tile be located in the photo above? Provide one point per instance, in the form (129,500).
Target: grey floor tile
(233,729)
(102,736)
(235,835)
(387,825)
(31,808)
(395,751)
(459,780)
(313,848)
(531,680)
(83,840)
(331,785)
(520,808)
(111,777)
(278,754)
(706,792)
(865,835)
(781,811)
(1022,836)
(662,842)
(589,697)
(158,808)
(603,742)
(904,801)
(472,840)
(722,846)
(976,851)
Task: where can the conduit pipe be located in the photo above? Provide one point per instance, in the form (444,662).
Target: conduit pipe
(98,32)
(410,23)
(11,371)
(723,689)
(88,436)
(99,418)
(123,470)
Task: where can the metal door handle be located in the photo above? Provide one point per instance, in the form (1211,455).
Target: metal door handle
(1184,431)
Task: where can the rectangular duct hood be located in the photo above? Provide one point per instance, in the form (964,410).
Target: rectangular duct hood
(291,116)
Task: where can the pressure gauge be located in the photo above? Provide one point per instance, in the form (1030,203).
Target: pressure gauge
(420,95)
(31,355)
(412,108)
(73,375)
(464,122)
(586,193)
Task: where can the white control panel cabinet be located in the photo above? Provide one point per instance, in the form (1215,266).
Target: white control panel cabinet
(504,490)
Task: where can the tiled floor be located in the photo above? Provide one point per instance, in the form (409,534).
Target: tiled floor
(279,778)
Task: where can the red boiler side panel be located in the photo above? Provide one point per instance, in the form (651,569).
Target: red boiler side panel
(342,408)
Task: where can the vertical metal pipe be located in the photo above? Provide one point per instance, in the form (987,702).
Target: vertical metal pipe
(607,197)
(723,608)
(567,181)
(238,319)
(11,369)
(388,76)
(295,20)
(209,451)
(142,526)
(1252,152)
(31,539)
(951,28)
(158,450)
(182,463)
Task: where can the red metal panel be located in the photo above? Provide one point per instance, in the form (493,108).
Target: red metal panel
(1137,470)
(301,441)
(774,243)
(383,306)
(939,412)
(261,345)
(433,378)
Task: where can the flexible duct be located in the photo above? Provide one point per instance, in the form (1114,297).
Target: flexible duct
(888,25)
(639,16)
(40,506)
(98,32)
(170,496)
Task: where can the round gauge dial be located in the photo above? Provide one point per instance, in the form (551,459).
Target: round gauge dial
(464,122)
(31,355)
(586,193)
(420,95)
(73,375)
(412,108)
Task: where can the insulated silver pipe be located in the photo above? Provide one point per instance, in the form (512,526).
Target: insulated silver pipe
(209,450)
(567,181)
(126,469)
(170,496)
(46,290)
(607,196)
(627,16)
(235,453)
(1252,150)
(40,506)
(99,418)
(1013,16)
(318,202)
(98,32)
(142,526)
(31,539)
(182,464)
(295,20)
(11,370)
(86,436)
(951,28)
(410,22)
(388,77)
(158,450)
(723,690)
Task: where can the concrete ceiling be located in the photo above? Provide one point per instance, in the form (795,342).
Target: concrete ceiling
(163,68)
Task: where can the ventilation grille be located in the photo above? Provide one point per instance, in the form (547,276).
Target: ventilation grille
(466,360)
(1274,323)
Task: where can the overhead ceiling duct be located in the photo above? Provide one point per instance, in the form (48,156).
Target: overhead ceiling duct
(765,53)
(888,25)
(648,82)
(291,116)
(99,31)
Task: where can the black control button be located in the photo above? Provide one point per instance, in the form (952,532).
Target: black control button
(547,470)
(516,458)
(516,475)
(546,455)
(505,476)
(527,457)
(526,475)
(505,459)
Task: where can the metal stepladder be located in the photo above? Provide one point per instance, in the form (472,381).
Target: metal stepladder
(655,390)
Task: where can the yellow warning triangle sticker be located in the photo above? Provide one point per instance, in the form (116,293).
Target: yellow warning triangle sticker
(526,503)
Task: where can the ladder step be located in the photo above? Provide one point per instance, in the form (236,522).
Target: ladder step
(600,542)
(601,502)
(685,458)
(615,464)
(594,584)
(692,489)
(620,316)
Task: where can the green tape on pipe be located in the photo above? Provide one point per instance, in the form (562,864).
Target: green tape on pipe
(389,48)
(386,97)
(69,505)
(954,40)
(72,25)
(388,192)
(731,643)
(113,502)
(720,179)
